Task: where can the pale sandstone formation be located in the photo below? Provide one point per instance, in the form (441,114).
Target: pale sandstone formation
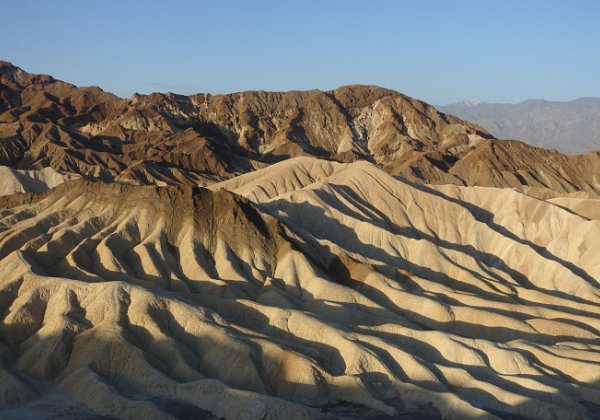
(305,285)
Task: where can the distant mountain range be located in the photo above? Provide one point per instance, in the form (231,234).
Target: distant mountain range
(570,127)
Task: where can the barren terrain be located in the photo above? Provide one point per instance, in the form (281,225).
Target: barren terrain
(344,254)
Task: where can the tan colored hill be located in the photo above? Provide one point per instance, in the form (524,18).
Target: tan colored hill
(168,139)
(36,180)
(307,289)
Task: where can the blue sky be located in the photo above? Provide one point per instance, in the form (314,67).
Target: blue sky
(439,51)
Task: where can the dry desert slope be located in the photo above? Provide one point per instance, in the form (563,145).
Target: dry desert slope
(296,291)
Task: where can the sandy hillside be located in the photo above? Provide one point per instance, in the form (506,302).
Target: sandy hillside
(304,290)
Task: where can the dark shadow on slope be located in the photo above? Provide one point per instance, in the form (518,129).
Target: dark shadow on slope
(486,217)
(123,382)
(339,271)
(350,241)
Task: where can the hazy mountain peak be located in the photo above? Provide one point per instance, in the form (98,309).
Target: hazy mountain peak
(467,103)
(571,127)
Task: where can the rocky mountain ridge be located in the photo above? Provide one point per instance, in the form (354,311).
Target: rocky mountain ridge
(165,139)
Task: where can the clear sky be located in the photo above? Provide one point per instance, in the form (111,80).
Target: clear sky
(439,51)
